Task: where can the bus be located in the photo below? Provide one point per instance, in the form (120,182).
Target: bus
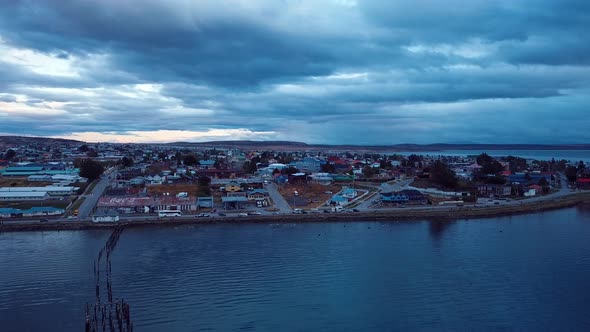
(169,213)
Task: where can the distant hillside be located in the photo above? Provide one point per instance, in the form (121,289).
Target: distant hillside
(300,146)
(287,145)
(242,143)
(25,140)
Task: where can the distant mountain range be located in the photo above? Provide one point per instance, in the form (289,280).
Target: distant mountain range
(290,146)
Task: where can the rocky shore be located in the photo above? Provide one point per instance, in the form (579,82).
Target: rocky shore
(465,212)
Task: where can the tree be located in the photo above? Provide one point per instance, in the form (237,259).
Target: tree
(571,173)
(488,164)
(90,169)
(83,148)
(204,186)
(442,175)
(250,166)
(368,172)
(495,180)
(415,160)
(291,170)
(190,160)
(327,168)
(10,154)
(543,182)
(92,154)
(126,162)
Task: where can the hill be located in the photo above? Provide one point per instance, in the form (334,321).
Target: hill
(29,140)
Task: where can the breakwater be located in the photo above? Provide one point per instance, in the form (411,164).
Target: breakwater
(464,212)
(112,313)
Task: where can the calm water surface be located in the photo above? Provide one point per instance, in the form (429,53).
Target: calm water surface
(572,155)
(528,272)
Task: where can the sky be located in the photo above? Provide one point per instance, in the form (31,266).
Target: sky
(315,71)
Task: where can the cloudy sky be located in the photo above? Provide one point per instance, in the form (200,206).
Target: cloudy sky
(316,71)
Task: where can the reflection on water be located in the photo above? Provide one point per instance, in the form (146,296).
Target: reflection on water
(526,272)
(438,227)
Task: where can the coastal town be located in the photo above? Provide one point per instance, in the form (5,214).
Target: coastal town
(59,181)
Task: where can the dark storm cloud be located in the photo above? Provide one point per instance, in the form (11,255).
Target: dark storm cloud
(420,68)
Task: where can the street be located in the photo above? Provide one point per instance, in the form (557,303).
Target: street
(91,198)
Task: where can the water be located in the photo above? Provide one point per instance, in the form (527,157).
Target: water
(571,155)
(528,272)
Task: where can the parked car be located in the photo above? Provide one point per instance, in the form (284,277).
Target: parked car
(355,210)
(221,214)
(242,214)
(255,213)
(202,215)
(44,220)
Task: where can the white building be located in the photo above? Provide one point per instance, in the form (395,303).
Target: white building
(23,196)
(51,190)
(105,216)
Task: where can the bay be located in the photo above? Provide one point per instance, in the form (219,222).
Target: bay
(526,272)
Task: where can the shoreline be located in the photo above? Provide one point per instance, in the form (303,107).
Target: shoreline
(409,214)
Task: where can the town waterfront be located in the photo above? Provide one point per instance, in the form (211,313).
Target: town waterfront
(525,272)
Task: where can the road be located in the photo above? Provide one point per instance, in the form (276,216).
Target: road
(91,198)
(278,200)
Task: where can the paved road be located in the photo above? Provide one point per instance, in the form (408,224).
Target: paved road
(91,198)
(278,200)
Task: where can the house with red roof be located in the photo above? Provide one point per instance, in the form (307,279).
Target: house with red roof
(583,183)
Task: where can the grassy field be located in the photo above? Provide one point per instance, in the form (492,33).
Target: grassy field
(90,187)
(314,193)
(173,189)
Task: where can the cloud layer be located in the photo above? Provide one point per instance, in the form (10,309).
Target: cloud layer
(318,71)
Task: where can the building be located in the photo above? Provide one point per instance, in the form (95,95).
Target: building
(232,186)
(205,202)
(494,190)
(147,204)
(51,190)
(394,197)
(324,178)
(105,216)
(583,183)
(260,196)
(184,204)
(37,211)
(409,196)
(349,193)
(23,196)
(234,200)
(206,164)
